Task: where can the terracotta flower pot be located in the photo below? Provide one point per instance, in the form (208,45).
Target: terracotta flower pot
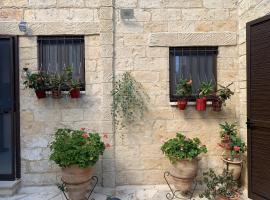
(217,105)
(236,197)
(75,93)
(40,94)
(201,104)
(184,172)
(235,166)
(182,104)
(56,94)
(77,181)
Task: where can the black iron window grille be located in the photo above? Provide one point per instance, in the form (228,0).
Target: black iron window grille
(196,63)
(57,52)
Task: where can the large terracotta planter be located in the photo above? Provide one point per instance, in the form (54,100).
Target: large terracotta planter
(182,104)
(184,172)
(201,104)
(235,166)
(40,94)
(219,197)
(77,181)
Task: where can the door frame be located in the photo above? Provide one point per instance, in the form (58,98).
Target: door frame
(249,123)
(15,84)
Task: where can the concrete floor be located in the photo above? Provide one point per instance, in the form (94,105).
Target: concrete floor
(157,192)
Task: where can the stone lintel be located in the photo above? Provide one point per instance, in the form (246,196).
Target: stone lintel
(51,28)
(192,39)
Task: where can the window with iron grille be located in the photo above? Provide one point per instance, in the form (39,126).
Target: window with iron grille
(196,63)
(57,52)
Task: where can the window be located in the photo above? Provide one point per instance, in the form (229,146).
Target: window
(196,63)
(57,52)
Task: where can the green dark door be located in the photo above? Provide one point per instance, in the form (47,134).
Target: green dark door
(9,110)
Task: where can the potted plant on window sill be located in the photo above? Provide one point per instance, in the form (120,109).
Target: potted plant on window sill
(37,81)
(222,94)
(183,90)
(234,161)
(76,152)
(205,89)
(219,186)
(183,154)
(228,130)
(56,85)
(75,89)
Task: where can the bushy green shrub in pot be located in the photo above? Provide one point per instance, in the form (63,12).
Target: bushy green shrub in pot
(76,152)
(183,154)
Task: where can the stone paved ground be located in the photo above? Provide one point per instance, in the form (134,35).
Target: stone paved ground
(157,192)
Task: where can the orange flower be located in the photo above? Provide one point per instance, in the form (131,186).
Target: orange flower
(85,135)
(190,82)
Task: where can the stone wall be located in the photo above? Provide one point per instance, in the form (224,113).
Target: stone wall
(247,11)
(142,47)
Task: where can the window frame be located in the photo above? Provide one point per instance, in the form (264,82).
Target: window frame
(174,98)
(63,37)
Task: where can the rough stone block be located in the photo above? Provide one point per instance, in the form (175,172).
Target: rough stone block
(70,3)
(150,4)
(11,14)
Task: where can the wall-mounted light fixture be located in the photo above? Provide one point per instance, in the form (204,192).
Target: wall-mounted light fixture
(23,26)
(127,14)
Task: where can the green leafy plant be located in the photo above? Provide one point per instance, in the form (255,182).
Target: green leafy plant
(238,147)
(228,130)
(76,147)
(224,93)
(184,88)
(56,82)
(75,84)
(128,100)
(219,185)
(205,89)
(181,147)
(37,81)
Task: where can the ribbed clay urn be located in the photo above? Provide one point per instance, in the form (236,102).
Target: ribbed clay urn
(235,166)
(236,197)
(77,181)
(184,172)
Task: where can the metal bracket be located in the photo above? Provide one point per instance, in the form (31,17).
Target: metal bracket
(93,184)
(173,194)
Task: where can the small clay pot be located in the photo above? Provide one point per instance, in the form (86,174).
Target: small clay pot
(40,94)
(217,105)
(184,172)
(75,93)
(182,104)
(201,104)
(236,197)
(56,94)
(77,181)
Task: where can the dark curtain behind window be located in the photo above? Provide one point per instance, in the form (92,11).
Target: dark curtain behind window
(196,63)
(56,53)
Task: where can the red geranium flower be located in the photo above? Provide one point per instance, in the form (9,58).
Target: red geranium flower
(82,129)
(85,135)
(236,148)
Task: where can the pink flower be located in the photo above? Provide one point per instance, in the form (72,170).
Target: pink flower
(85,135)
(82,129)
(108,145)
(105,135)
(236,148)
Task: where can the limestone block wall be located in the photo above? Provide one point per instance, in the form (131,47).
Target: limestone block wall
(247,11)
(142,47)
(40,118)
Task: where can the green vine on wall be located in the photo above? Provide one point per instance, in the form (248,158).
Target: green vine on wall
(129,100)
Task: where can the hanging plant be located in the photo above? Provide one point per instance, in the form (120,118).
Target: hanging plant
(128,100)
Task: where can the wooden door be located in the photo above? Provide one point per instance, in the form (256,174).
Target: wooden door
(258,97)
(9,110)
